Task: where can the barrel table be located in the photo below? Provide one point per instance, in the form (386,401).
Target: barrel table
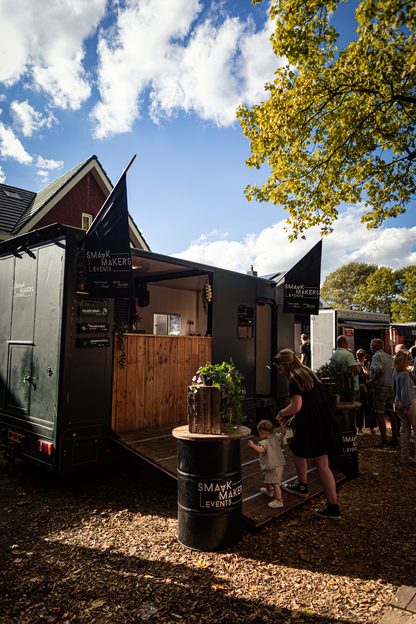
(209,489)
(347,460)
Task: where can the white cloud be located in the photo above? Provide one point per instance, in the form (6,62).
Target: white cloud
(258,63)
(45,167)
(2,176)
(43,40)
(270,251)
(201,78)
(133,53)
(214,232)
(208,71)
(184,59)
(28,119)
(49,164)
(43,176)
(11,147)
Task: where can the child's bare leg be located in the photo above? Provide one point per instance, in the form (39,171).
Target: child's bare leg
(277,491)
(269,487)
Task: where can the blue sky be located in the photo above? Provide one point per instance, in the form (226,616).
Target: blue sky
(162,79)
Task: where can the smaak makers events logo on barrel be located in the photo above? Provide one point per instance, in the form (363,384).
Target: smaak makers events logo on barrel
(215,494)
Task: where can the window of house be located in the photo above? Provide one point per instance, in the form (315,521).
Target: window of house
(167,324)
(12,194)
(86,220)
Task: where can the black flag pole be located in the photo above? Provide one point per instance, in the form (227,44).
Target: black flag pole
(130,164)
(107,246)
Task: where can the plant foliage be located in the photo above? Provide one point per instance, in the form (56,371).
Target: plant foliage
(373,289)
(404,308)
(342,285)
(339,126)
(121,345)
(229,380)
(381,290)
(338,379)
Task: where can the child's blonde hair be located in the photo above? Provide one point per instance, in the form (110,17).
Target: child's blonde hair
(265,425)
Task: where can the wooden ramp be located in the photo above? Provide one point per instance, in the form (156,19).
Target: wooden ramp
(256,511)
(157,446)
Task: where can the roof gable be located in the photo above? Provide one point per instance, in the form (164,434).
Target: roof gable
(22,211)
(46,198)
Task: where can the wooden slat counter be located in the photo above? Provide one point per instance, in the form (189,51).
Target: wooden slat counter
(151,389)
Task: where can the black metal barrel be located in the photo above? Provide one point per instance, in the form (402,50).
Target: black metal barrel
(347,461)
(209,490)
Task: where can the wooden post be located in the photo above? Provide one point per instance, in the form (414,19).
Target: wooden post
(204,410)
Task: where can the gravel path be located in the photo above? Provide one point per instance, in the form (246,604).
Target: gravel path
(102,547)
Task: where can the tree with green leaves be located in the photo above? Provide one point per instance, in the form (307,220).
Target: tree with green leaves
(341,286)
(339,125)
(381,290)
(404,309)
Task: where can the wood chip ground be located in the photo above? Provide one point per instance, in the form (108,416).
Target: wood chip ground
(102,546)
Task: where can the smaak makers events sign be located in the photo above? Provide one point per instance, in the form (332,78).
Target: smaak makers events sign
(107,248)
(301,293)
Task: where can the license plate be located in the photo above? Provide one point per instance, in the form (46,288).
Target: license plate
(16,437)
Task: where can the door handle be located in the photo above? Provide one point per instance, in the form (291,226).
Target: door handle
(29,379)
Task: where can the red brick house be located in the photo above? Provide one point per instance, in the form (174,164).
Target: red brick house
(73,199)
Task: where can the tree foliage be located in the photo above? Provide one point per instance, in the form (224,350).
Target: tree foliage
(381,289)
(339,126)
(341,286)
(373,289)
(404,309)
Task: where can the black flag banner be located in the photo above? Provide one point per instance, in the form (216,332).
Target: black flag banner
(301,294)
(107,248)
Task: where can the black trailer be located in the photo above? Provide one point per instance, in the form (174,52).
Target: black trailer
(55,354)
(57,406)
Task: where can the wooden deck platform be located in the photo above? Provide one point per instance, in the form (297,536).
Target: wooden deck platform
(158,447)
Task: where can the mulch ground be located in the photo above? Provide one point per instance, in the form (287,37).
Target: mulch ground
(102,547)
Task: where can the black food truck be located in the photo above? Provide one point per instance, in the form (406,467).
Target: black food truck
(58,352)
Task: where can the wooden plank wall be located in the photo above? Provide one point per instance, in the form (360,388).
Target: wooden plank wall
(152,388)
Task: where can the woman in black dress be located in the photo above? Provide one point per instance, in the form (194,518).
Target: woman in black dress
(317,433)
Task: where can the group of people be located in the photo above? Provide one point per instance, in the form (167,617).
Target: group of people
(382,387)
(311,411)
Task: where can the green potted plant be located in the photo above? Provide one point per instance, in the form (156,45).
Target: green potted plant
(229,380)
(338,379)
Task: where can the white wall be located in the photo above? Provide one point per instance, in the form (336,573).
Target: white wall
(187,304)
(322,337)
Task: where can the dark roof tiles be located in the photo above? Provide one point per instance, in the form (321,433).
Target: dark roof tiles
(13,204)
